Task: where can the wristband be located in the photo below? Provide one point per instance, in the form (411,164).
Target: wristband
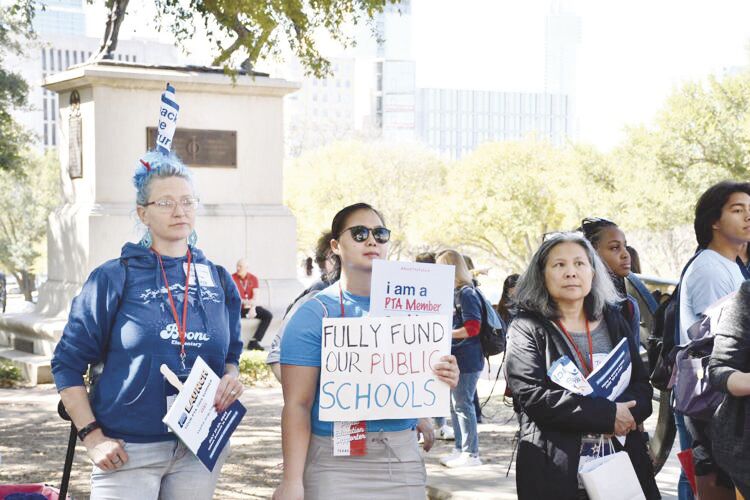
(82,433)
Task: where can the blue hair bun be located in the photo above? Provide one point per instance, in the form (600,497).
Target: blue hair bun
(150,163)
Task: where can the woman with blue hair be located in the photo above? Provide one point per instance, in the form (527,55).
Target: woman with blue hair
(161,303)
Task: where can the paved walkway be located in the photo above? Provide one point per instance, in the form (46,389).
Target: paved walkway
(32,448)
(34,440)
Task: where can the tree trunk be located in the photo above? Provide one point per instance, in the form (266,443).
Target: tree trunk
(26,282)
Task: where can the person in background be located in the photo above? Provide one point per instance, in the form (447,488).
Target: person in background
(425,258)
(474,274)
(467,318)
(443,431)
(729,372)
(722,229)
(635,260)
(610,244)
(503,306)
(247,284)
(329,266)
(3,292)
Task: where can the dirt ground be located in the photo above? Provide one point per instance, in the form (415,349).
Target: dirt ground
(33,441)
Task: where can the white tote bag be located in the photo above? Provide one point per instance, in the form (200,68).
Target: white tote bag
(611,477)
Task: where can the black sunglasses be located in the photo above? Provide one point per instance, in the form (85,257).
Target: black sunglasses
(361,233)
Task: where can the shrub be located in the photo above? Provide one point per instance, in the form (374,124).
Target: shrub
(10,374)
(253,368)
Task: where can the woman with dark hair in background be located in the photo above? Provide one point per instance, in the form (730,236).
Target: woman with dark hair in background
(502,307)
(611,245)
(635,259)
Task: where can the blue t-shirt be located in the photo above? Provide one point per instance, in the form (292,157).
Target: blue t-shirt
(301,346)
(468,351)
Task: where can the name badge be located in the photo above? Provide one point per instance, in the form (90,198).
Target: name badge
(200,273)
(350,439)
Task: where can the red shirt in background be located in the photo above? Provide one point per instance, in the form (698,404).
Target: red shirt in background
(245,285)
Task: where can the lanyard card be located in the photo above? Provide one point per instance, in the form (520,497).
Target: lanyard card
(350,439)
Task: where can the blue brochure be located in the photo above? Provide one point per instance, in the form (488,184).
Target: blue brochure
(609,379)
(194,420)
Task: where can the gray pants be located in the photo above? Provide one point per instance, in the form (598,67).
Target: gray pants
(165,470)
(393,469)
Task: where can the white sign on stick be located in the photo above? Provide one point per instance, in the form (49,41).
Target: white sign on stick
(381,368)
(411,288)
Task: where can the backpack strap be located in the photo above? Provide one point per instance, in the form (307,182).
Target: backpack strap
(677,291)
(222,278)
(743,268)
(649,299)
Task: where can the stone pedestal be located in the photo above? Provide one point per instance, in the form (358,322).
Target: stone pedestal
(242,210)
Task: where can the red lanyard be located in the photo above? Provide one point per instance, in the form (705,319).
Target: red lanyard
(181,328)
(341,301)
(585,366)
(243,287)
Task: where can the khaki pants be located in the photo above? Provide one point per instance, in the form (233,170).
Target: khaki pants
(165,470)
(393,469)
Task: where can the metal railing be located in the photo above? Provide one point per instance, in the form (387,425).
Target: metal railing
(657,280)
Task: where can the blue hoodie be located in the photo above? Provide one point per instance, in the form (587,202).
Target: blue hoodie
(122,317)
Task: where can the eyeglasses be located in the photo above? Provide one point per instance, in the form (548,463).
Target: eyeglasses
(361,233)
(167,205)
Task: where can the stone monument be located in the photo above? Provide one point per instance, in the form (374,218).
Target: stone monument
(229,132)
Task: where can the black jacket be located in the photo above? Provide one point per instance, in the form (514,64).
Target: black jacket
(731,353)
(553,419)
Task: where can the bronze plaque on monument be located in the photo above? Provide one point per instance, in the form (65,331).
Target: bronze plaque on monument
(201,148)
(75,137)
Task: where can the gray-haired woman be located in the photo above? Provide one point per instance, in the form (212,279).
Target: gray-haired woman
(569,307)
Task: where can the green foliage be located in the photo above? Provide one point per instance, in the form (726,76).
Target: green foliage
(27,197)
(10,374)
(258,29)
(253,368)
(499,200)
(704,131)
(402,181)
(15,26)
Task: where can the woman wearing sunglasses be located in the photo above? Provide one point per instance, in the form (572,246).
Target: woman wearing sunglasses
(392,467)
(161,302)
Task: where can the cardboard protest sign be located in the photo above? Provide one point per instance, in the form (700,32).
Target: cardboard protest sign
(381,368)
(411,288)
